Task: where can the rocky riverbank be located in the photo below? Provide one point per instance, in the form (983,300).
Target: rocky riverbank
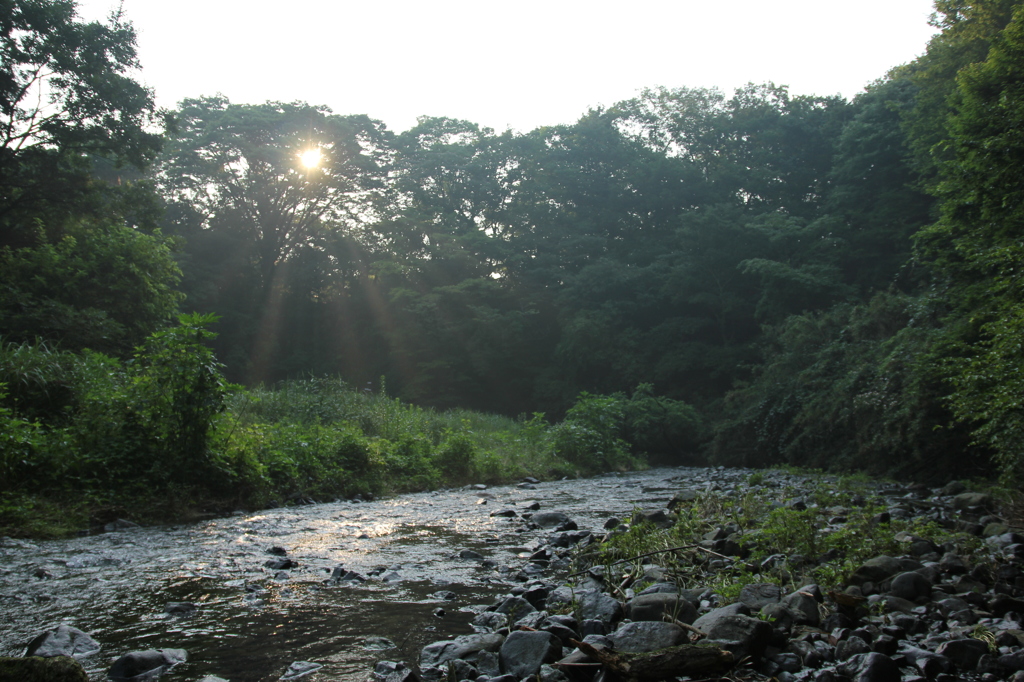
(699,573)
(943,612)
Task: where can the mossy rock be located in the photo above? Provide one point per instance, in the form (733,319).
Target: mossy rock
(39,669)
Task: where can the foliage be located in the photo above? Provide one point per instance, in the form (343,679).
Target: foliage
(102,286)
(589,437)
(67,98)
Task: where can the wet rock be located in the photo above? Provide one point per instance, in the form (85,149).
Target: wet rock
(300,669)
(152,662)
(180,609)
(63,640)
(647,636)
(963,653)
(505,513)
(378,644)
(40,669)
(434,655)
(549,519)
(516,607)
(277,550)
(871,667)
(471,555)
(928,662)
(656,606)
(280,564)
(523,653)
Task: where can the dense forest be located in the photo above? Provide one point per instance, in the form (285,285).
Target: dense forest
(755,278)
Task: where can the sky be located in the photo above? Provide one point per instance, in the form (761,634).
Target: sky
(515,65)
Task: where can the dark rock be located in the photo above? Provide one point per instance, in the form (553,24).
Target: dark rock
(613,522)
(969,501)
(277,551)
(120,525)
(300,669)
(875,570)
(1003,604)
(523,653)
(871,667)
(516,608)
(433,655)
(40,669)
(910,585)
(708,620)
(63,640)
(654,607)
(153,662)
(804,606)
(930,663)
(749,636)
(758,595)
(647,636)
(505,512)
(1013,660)
(280,564)
(181,609)
(850,647)
(471,555)
(549,519)
(963,653)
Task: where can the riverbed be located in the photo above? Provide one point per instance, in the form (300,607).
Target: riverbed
(253,621)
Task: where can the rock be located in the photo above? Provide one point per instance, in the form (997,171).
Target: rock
(875,570)
(549,519)
(63,640)
(182,609)
(871,667)
(757,595)
(549,674)
(594,605)
(910,585)
(509,513)
(523,653)
(655,606)
(280,564)
(708,620)
(930,663)
(152,662)
(642,637)
(42,669)
(515,608)
(471,555)
(747,636)
(120,525)
(804,607)
(963,653)
(850,647)
(300,669)
(277,550)
(967,501)
(433,655)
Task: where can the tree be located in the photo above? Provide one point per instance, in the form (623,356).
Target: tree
(67,98)
(252,186)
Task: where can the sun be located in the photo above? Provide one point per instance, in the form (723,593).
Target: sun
(311,158)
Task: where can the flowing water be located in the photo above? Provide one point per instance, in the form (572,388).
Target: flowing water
(252,621)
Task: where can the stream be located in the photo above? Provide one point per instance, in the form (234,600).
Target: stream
(253,621)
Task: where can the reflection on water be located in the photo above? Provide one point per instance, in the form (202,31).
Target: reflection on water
(253,621)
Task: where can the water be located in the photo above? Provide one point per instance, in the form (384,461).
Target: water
(250,625)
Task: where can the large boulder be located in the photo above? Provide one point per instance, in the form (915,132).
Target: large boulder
(433,655)
(657,605)
(523,653)
(40,669)
(641,637)
(152,662)
(875,570)
(63,640)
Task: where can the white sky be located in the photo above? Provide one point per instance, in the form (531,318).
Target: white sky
(513,65)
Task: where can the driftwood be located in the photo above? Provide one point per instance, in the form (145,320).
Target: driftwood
(685,659)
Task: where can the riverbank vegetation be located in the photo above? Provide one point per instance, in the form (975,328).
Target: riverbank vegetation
(756,278)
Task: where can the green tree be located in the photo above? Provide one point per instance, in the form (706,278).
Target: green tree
(68,100)
(976,246)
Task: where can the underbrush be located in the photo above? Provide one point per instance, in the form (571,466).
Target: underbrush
(822,541)
(86,438)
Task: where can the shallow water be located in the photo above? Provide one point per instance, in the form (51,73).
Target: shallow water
(251,625)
